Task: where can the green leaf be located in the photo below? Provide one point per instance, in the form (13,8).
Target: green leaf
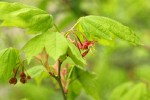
(105,28)
(74,90)
(8,61)
(87,81)
(75,55)
(120,91)
(34,46)
(36,71)
(138,92)
(93,29)
(20,15)
(130,91)
(54,43)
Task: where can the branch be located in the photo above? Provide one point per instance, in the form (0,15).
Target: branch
(59,80)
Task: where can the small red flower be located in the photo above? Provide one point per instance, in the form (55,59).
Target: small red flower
(13,80)
(28,77)
(23,80)
(22,75)
(85,45)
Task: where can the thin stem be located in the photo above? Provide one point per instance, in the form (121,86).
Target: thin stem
(82,34)
(70,72)
(56,27)
(16,71)
(68,32)
(59,68)
(78,46)
(59,81)
(75,24)
(58,77)
(62,90)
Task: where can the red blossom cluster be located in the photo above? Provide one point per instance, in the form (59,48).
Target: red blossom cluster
(23,77)
(85,46)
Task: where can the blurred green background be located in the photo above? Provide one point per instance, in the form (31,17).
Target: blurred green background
(123,70)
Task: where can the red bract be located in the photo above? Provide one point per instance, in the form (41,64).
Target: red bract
(85,45)
(56,67)
(64,72)
(67,65)
(79,45)
(65,91)
(85,53)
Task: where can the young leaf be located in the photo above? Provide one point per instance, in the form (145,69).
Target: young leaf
(8,61)
(103,27)
(54,43)
(20,15)
(74,90)
(87,81)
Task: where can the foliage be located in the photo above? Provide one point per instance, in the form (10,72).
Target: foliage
(52,49)
(8,61)
(20,15)
(136,92)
